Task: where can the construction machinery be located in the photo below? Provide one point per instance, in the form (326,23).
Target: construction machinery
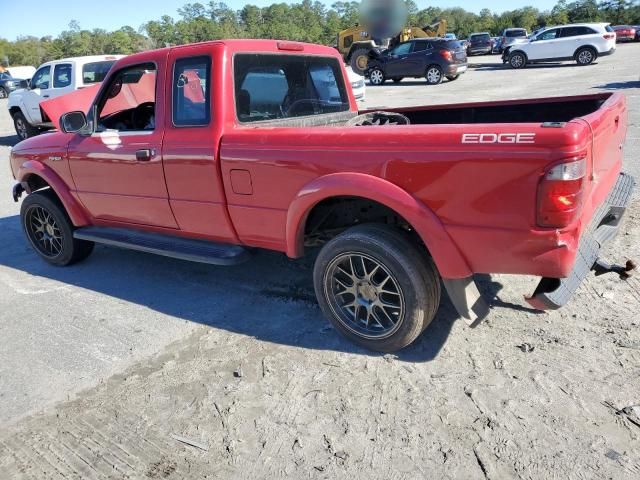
(356,42)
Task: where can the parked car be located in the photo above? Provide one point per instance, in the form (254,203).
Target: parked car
(53,79)
(227,166)
(479,43)
(637,29)
(624,33)
(357,84)
(583,43)
(431,58)
(8,84)
(510,36)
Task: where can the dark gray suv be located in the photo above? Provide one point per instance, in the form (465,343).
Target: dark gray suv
(431,58)
(8,84)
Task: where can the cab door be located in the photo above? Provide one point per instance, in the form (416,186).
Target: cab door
(117,170)
(39,89)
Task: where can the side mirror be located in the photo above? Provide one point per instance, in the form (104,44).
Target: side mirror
(73,122)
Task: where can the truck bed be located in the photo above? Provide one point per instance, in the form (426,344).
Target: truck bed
(510,111)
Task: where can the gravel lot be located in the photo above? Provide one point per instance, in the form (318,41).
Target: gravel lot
(110,368)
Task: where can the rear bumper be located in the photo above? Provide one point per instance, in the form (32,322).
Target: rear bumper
(456,69)
(553,293)
(609,52)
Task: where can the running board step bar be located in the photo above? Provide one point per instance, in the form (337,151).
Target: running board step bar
(200,251)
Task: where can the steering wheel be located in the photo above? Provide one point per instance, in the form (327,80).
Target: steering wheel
(141,115)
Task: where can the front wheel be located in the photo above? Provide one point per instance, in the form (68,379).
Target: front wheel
(517,60)
(3,93)
(377,287)
(586,56)
(50,231)
(434,75)
(23,128)
(359,60)
(376,76)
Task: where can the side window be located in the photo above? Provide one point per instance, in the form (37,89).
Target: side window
(128,103)
(62,75)
(348,41)
(41,79)
(548,35)
(420,46)
(402,49)
(263,90)
(95,72)
(191,91)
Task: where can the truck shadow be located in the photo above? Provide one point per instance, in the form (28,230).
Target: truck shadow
(618,85)
(270,298)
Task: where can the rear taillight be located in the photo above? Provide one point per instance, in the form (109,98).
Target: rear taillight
(609,36)
(446,54)
(560,194)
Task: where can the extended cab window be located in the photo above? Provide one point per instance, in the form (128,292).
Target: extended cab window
(191,95)
(62,75)
(128,102)
(269,87)
(96,72)
(41,78)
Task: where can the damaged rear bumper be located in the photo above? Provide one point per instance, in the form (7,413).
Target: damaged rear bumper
(553,293)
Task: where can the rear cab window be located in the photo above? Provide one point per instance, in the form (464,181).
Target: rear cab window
(191,91)
(95,72)
(516,33)
(481,37)
(273,86)
(62,75)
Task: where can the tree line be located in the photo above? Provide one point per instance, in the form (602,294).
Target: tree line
(309,21)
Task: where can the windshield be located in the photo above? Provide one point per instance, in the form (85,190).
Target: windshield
(269,87)
(515,33)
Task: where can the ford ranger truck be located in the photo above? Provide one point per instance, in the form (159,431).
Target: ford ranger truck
(207,152)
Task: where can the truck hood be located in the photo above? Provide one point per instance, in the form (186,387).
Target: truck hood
(46,141)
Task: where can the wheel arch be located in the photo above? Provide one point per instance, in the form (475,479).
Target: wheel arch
(511,52)
(35,175)
(589,46)
(446,255)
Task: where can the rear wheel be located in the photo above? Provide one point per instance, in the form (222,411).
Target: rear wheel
(359,60)
(434,75)
(376,76)
(50,231)
(451,78)
(377,287)
(586,56)
(517,60)
(23,128)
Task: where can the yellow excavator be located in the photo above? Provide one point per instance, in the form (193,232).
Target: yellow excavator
(355,42)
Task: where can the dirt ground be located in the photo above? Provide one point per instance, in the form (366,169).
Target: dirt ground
(134,366)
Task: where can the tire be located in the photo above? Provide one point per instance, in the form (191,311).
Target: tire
(452,78)
(23,128)
(50,231)
(376,76)
(359,59)
(3,93)
(391,260)
(586,56)
(434,75)
(517,60)
(397,79)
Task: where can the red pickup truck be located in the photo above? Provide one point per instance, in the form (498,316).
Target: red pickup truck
(205,152)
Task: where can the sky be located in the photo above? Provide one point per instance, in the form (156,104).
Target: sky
(50,18)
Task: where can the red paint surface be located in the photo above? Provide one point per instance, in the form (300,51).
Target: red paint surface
(474,206)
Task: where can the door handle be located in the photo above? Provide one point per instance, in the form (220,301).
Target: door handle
(145,155)
(45,96)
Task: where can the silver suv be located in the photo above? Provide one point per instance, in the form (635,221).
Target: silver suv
(510,36)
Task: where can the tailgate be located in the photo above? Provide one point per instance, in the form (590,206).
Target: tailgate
(608,126)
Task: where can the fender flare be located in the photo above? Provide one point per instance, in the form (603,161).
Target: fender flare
(73,208)
(448,258)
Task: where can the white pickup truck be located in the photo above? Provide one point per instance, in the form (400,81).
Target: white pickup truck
(51,80)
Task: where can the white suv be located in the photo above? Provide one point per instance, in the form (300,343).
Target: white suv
(51,80)
(581,42)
